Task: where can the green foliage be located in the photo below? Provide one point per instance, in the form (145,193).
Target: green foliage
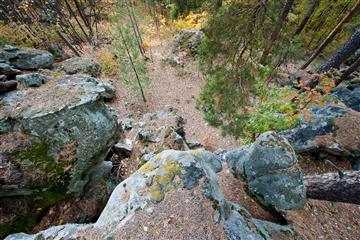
(14,33)
(122,46)
(236,94)
(325,17)
(108,62)
(275,112)
(180,7)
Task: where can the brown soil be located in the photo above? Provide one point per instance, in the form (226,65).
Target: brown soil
(327,220)
(234,191)
(183,214)
(176,88)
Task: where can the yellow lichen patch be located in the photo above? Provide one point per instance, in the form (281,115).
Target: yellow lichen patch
(197,153)
(147,167)
(164,182)
(171,169)
(156,193)
(158,157)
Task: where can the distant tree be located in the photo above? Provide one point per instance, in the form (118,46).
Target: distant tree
(310,11)
(332,34)
(284,13)
(343,53)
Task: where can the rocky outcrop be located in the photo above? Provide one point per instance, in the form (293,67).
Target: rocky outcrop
(54,140)
(32,79)
(349,95)
(155,132)
(174,195)
(26,59)
(331,130)
(187,40)
(80,65)
(270,168)
(185,43)
(58,52)
(8,70)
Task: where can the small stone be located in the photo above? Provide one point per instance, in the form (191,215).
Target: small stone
(8,70)
(10,48)
(81,65)
(127,123)
(124,147)
(58,52)
(110,90)
(3,78)
(32,79)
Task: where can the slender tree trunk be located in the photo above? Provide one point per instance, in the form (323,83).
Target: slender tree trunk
(132,64)
(343,53)
(218,4)
(333,187)
(68,44)
(355,66)
(307,16)
(332,34)
(284,13)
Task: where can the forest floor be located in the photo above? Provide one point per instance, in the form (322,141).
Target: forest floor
(172,87)
(177,88)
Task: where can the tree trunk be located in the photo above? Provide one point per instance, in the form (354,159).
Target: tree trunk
(218,4)
(7,86)
(284,13)
(343,53)
(333,187)
(307,16)
(355,66)
(332,34)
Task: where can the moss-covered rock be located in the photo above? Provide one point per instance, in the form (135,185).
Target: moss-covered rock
(54,140)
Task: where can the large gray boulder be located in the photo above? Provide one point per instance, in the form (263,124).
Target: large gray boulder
(54,140)
(81,65)
(174,195)
(26,59)
(270,167)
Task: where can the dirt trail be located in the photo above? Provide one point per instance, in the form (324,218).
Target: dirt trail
(178,87)
(175,87)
